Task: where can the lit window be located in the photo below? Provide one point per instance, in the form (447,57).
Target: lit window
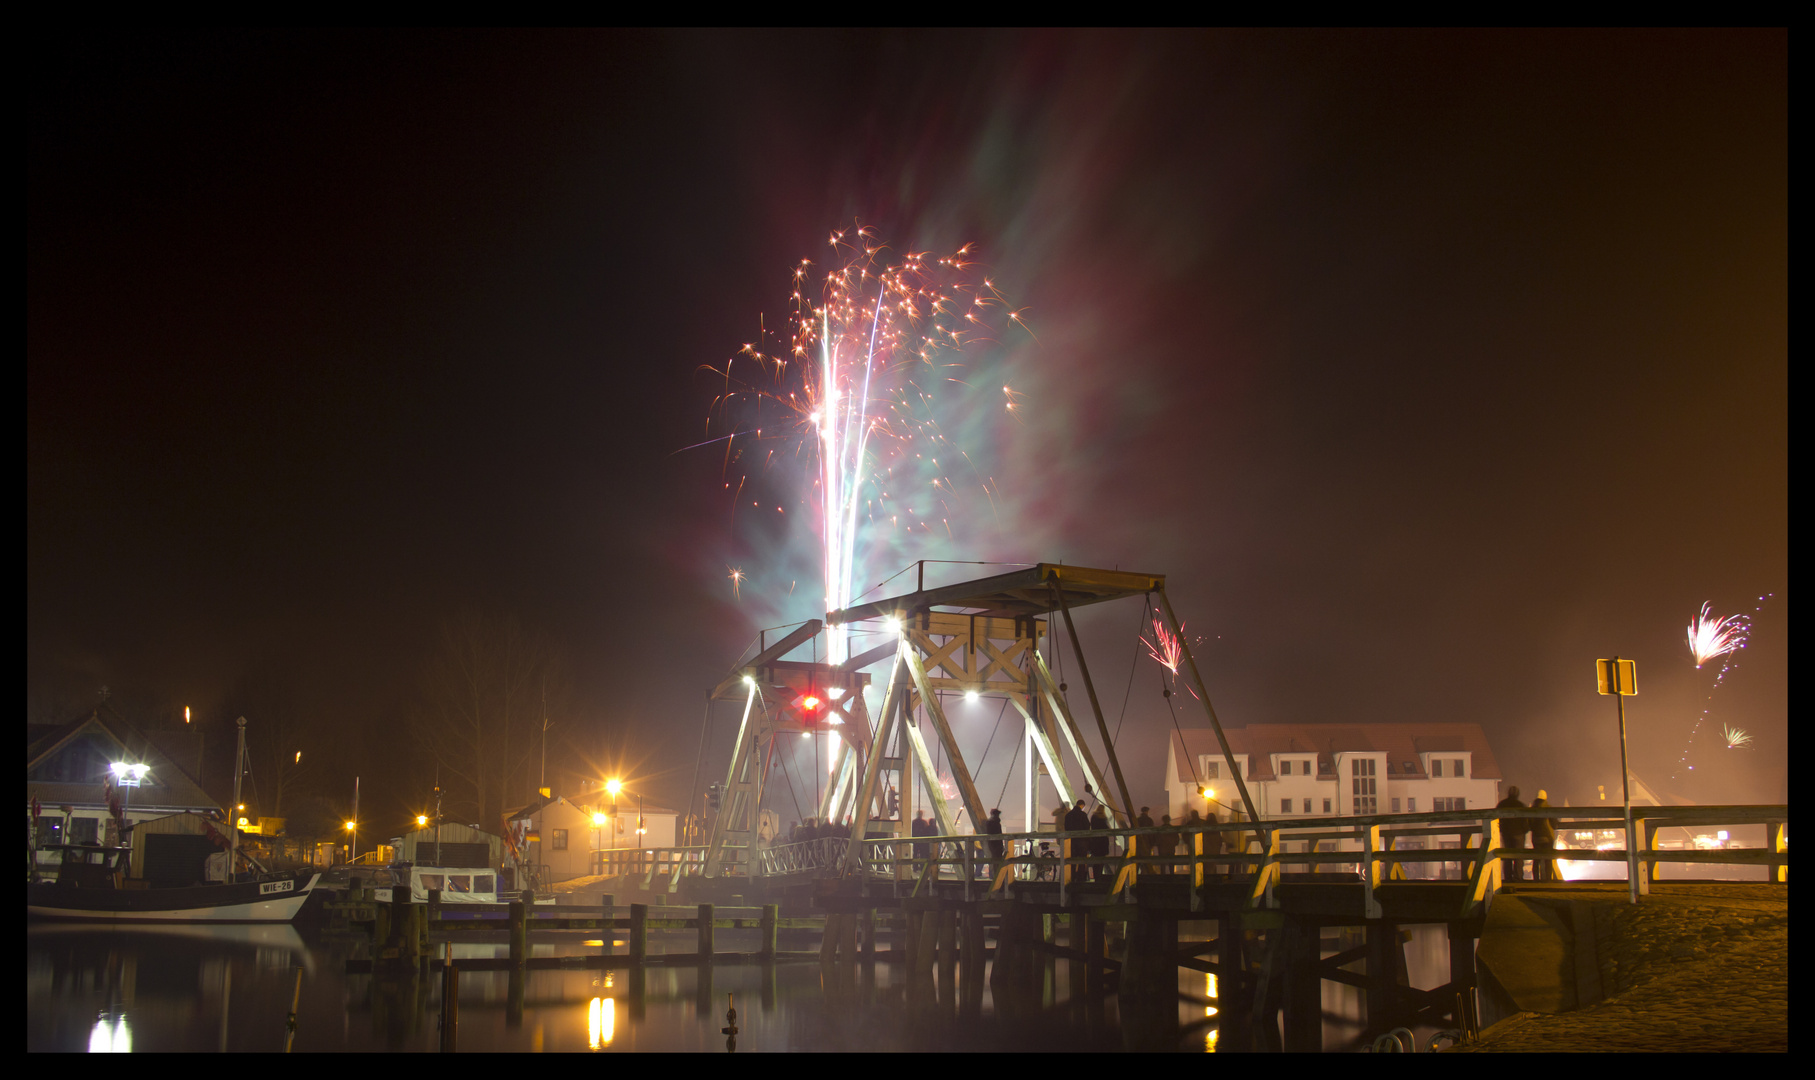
(560,843)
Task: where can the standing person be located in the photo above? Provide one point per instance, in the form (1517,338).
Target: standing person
(921,827)
(1099,845)
(1543,841)
(1143,845)
(1168,844)
(1077,820)
(993,827)
(1512,834)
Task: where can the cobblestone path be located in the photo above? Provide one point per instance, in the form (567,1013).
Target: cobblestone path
(1687,970)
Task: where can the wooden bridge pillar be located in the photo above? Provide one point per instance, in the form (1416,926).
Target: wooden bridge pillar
(1303,991)
(1386,971)
(1234,988)
(639,935)
(706,935)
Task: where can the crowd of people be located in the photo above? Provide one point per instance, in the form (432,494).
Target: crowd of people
(1541,833)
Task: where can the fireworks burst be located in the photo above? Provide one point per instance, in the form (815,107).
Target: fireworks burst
(1724,639)
(1737,739)
(1710,637)
(856,384)
(737,580)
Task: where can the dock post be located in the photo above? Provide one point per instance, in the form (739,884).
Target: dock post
(1234,986)
(434,906)
(705,933)
(639,933)
(771,918)
(519,934)
(1094,953)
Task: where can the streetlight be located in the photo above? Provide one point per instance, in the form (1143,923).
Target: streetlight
(421,820)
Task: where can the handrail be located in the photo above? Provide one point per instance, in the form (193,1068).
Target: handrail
(1256,855)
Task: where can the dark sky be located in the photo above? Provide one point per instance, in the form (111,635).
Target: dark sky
(1428,367)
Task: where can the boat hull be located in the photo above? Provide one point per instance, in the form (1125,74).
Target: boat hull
(277,900)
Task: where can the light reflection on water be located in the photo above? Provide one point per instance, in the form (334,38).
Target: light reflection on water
(229,987)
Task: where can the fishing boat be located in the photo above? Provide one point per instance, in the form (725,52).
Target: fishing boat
(91,882)
(88,887)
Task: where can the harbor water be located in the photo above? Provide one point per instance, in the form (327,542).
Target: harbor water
(230,988)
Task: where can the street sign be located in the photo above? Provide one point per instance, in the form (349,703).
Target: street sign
(1608,673)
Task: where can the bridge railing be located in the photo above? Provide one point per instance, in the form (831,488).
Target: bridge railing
(1376,849)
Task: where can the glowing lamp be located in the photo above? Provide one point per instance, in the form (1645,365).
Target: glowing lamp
(613,786)
(598,820)
(809,703)
(422,819)
(748,681)
(349,826)
(971,695)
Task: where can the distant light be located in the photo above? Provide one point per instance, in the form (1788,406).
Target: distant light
(893,624)
(1721,835)
(349,826)
(241,806)
(299,757)
(139,771)
(806,734)
(971,695)
(185,714)
(748,681)
(422,819)
(598,819)
(809,703)
(613,786)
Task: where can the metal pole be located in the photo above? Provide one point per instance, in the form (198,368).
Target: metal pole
(239,769)
(1215,724)
(1632,851)
(355,829)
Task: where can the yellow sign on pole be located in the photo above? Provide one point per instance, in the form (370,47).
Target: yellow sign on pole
(1619,676)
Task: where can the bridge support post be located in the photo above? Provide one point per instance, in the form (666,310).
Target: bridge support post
(1234,988)
(1384,969)
(1095,932)
(519,935)
(869,935)
(1303,998)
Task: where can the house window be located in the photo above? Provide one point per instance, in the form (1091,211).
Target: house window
(1411,806)
(1362,786)
(1442,804)
(50,832)
(1212,770)
(85,830)
(1326,806)
(1307,806)
(1285,806)
(1395,806)
(560,843)
(1457,763)
(1436,767)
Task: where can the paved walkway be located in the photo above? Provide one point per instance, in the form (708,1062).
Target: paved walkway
(1691,968)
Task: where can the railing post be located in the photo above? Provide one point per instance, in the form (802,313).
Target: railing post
(1064,871)
(1647,866)
(1370,875)
(1777,843)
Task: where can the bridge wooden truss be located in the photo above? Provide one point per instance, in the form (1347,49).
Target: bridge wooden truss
(979,638)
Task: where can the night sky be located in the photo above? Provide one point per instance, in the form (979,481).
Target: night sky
(1427,367)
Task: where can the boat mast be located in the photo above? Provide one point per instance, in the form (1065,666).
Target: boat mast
(239,770)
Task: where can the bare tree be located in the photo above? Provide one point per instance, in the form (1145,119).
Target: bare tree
(481,714)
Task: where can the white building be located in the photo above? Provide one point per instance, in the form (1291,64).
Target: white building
(1317,770)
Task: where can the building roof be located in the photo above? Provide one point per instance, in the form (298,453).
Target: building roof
(1400,742)
(65,764)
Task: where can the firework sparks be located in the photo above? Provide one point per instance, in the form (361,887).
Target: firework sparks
(1737,739)
(1166,647)
(737,581)
(1710,637)
(856,382)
